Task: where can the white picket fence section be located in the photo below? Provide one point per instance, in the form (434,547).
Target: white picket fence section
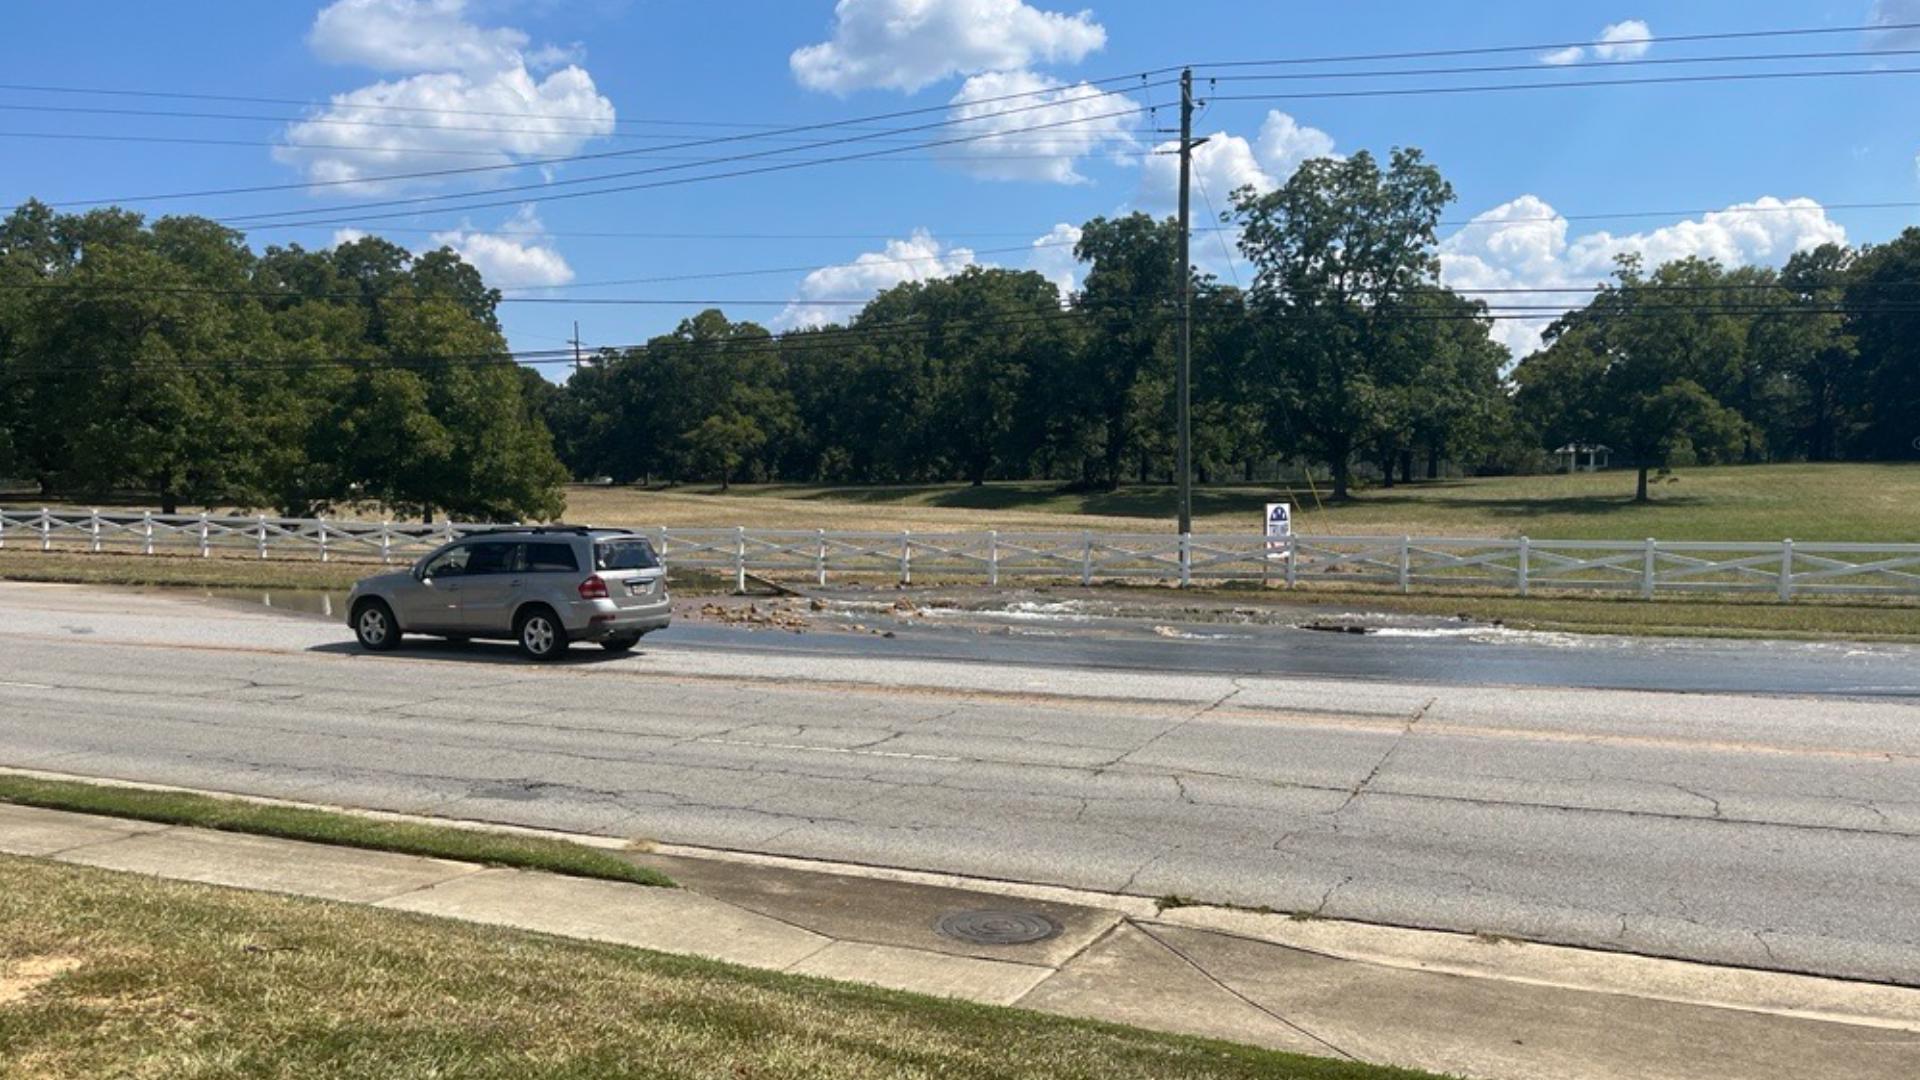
(1647,568)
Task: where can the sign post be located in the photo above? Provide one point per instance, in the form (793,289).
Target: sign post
(1279,529)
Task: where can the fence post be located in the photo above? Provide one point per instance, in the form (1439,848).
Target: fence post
(3,530)
(262,525)
(323,538)
(449,533)
(1526,554)
(993,557)
(206,536)
(663,544)
(386,541)
(1186,559)
(46,530)
(1786,571)
(146,532)
(1086,557)
(820,560)
(906,556)
(739,559)
(1647,570)
(1293,560)
(93,527)
(1406,564)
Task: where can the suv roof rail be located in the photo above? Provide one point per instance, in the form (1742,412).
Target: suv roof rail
(497,530)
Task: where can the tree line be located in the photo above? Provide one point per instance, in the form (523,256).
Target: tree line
(170,359)
(173,361)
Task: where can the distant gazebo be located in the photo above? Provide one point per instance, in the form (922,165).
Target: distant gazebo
(1598,457)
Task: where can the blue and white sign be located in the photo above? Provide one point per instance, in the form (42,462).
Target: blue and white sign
(1279,521)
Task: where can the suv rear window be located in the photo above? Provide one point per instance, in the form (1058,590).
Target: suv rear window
(550,558)
(635,554)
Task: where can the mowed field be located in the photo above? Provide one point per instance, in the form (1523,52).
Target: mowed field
(1763,502)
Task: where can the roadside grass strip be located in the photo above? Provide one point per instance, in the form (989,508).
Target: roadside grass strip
(238,815)
(117,974)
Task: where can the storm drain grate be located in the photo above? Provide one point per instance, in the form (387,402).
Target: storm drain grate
(997,927)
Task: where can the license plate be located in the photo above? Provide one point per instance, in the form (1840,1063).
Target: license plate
(639,588)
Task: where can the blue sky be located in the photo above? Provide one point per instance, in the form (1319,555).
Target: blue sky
(595,76)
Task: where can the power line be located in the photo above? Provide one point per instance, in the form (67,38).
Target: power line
(683,145)
(1427,54)
(676,182)
(1582,84)
(1548,69)
(829,339)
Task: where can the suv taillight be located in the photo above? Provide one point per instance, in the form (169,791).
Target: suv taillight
(594,588)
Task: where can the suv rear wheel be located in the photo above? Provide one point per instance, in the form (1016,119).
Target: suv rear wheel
(540,634)
(373,624)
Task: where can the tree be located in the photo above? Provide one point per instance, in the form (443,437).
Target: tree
(1885,322)
(1340,252)
(1125,373)
(1633,369)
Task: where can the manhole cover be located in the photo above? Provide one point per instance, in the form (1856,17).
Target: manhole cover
(997,927)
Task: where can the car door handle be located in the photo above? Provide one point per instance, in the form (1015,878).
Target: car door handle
(515,583)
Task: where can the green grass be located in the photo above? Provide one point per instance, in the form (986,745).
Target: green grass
(233,572)
(327,827)
(1695,616)
(164,979)
(1843,502)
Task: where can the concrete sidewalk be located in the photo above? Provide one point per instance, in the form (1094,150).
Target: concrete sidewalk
(1444,1002)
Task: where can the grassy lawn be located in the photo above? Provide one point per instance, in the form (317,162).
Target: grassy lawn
(107,974)
(1845,502)
(1702,616)
(1763,502)
(325,827)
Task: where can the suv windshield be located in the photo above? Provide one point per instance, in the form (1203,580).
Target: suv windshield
(630,554)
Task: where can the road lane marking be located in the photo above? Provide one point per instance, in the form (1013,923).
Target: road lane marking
(853,751)
(28,685)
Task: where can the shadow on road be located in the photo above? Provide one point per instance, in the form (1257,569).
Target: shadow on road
(477,652)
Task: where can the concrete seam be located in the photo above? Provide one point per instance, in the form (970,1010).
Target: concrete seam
(1217,981)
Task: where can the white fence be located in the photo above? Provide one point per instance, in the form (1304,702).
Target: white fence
(1645,568)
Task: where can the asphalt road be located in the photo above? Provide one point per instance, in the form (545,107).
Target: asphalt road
(1772,831)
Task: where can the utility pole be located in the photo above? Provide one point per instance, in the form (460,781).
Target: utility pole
(1183,375)
(575,342)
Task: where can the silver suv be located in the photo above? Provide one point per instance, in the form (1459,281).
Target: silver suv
(543,587)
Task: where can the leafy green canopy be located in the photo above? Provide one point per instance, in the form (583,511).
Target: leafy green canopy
(172,361)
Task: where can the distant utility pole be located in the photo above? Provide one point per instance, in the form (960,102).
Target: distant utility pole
(575,342)
(1183,374)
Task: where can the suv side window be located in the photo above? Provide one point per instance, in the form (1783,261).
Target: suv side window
(491,559)
(548,558)
(449,563)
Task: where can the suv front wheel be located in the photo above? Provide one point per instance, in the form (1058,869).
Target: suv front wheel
(540,634)
(373,624)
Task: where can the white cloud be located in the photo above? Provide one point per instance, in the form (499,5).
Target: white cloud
(1626,40)
(908,44)
(1525,244)
(1053,259)
(1225,163)
(410,35)
(347,236)
(1895,13)
(473,86)
(517,255)
(1073,122)
(1285,144)
(917,258)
